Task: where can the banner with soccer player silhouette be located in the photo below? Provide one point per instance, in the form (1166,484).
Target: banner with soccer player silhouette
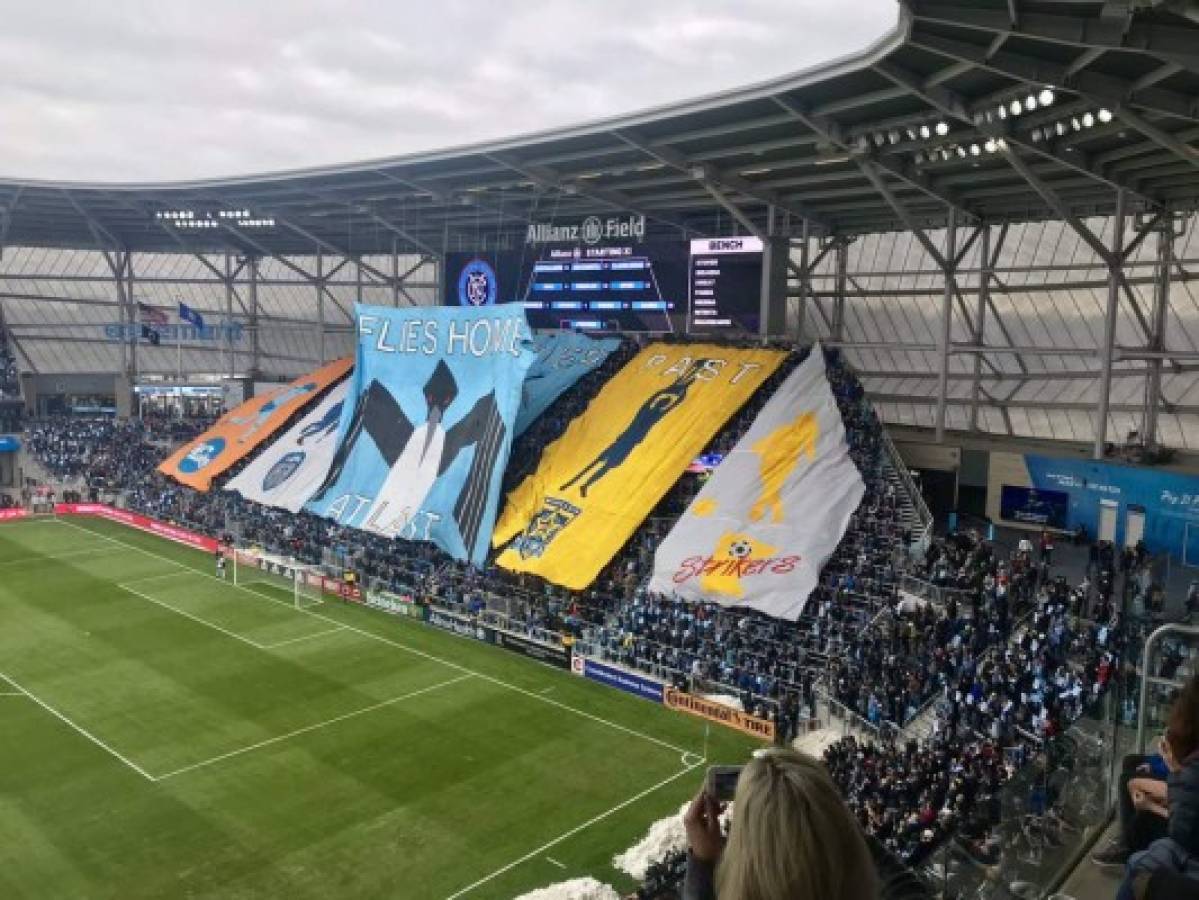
(290,470)
(241,430)
(426,430)
(598,482)
(759,531)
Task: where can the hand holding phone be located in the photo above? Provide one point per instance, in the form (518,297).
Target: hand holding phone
(721,783)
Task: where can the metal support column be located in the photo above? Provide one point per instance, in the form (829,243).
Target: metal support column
(842,279)
(980,318)
(320,305)
(805,285)
(395,275)
(255,342)
(945,335)
(1115,262)
(229,314)
(130,295)
(1157,343)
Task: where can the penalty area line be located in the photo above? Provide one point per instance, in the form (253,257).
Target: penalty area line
(540,851)
(374,636)
(80,729)
(307,728)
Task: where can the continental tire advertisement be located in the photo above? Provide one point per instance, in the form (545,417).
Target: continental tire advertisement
(719,713)
(554,656)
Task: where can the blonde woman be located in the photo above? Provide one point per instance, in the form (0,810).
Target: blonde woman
(792,838)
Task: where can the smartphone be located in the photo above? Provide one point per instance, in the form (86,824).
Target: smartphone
(721,783)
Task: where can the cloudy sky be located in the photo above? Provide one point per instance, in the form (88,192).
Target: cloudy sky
(134,90)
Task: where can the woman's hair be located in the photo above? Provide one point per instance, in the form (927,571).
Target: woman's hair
(792,837)
(1182,726)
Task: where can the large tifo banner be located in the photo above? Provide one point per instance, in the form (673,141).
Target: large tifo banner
(562,359)
(425,434)
(288,472)
(241,430)
(775,509)
(599,481)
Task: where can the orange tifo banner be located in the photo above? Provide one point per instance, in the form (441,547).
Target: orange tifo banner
(240,430)
(599,481)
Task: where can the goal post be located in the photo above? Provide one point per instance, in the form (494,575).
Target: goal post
(277,578)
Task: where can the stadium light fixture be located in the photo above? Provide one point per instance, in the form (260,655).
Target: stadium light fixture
(989,146)
(1088,120)
(975,150)
(1016,108)
(1046,96)
(1061,129)
(1105,116)
(911,134)
(1077,125)
(925,132)
(1001,112)
(961,151)
(942,128)
(1030,102)
(893,136)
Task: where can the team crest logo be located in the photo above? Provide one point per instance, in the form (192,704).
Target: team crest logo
(283,469)
(201,456)
(477,285)
(593,230)
(553,516)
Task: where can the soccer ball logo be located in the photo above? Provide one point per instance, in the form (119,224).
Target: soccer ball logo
(477,285)
(740,549)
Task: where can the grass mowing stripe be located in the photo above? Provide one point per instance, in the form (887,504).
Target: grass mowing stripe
(307,728)
(53,557)
(569,834)
(79,728)
(406,648)
(197,619)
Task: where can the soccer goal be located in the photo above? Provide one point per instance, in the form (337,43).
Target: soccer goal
(277,577)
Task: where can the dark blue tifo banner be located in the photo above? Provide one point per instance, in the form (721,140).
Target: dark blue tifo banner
(638,685)
(563,357)
(426,430)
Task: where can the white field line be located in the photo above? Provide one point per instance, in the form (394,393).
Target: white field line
(303,637)
(378,637)
(307,728)
(52,557)
(540,851)
(550,859)
(187,615)
(81,730)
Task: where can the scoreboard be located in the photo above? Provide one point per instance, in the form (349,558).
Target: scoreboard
(702,285)
(725,284)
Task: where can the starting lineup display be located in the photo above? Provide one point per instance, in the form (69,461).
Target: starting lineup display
(616,285)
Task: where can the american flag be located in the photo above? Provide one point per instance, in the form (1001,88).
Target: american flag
(151,315)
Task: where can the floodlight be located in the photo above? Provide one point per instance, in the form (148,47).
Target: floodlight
(1105,116)
(925,133)
(942,128)
(1046,97)
(975,150)
(989,146)
(1016,108)
(1030,102)
(1088,120)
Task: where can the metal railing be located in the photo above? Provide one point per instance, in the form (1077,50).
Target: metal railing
(935,593)
(914,496)
(1151,643)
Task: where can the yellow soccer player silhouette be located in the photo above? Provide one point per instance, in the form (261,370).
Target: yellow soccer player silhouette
(780,452)
(735,552)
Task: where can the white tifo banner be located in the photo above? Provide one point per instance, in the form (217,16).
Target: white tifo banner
(774,510)
(290,470)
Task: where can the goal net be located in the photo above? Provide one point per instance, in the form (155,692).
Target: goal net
(278,577)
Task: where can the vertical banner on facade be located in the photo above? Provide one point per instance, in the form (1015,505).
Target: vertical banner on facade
(425,434)
(562,359)
(288,472)
(241,430)
(613,464)
(773,511)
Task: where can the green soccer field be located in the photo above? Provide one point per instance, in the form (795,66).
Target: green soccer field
(167,734)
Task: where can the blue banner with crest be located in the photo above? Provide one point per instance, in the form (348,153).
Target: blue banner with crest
(423,444)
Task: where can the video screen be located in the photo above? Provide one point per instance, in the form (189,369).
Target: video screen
(1033,506)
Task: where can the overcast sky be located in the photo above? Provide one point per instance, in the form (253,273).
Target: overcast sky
(135,90)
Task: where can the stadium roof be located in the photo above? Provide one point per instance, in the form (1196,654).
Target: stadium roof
(888,139)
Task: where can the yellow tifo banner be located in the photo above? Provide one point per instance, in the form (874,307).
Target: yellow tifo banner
(607,472)
(242,429)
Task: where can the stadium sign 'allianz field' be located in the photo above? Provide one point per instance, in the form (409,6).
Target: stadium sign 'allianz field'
(591,230)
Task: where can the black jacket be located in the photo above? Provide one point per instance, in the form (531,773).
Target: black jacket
(1182,796)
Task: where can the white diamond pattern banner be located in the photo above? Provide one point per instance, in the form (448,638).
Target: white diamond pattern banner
(758,533)
(291,469)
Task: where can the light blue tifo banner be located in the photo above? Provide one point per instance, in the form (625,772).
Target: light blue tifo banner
(563,357)
(424,436)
